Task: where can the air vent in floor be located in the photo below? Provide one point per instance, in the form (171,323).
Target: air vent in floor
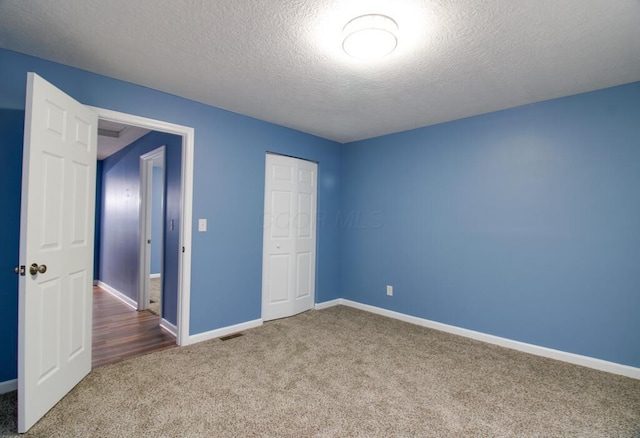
(231,336)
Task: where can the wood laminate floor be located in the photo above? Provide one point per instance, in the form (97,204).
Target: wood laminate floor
(119,332)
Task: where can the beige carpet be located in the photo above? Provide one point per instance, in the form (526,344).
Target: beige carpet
(341,372)
(155,290)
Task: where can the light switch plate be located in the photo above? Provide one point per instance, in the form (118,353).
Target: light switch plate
(202,225)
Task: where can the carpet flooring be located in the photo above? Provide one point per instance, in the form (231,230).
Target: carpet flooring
(341,372)
(155,289)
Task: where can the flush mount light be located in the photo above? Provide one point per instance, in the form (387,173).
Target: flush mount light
(370,36)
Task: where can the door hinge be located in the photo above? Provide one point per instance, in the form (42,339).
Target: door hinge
(20,270)
(183,249)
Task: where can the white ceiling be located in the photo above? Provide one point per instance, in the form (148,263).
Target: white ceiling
(109,145)
(281,61)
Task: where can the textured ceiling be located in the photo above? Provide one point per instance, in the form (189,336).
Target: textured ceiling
(281,61)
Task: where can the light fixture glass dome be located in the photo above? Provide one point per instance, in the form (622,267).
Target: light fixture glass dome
(370,36)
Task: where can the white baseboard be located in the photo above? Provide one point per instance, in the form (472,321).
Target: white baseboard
(155,275)
(119,295)
(8,386)
(212,334)
(577,359)
(326,304)
(166,325)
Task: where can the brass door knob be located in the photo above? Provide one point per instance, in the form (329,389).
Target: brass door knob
(34,269)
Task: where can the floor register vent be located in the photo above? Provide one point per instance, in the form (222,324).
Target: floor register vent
(231,336)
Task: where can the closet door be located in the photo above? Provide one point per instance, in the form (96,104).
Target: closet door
(289,248)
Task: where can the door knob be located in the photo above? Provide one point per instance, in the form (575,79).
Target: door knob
(34,269)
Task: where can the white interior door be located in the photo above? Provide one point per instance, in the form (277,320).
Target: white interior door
(56,239)
(289,251)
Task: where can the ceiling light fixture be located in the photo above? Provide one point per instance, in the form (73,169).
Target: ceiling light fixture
(370,36)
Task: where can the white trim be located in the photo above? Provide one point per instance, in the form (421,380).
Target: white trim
(188,146)
(158,275)
(8,386)
(327,304)
(119,295)
(147,162)
(166,325)
(212,334)
(577,359)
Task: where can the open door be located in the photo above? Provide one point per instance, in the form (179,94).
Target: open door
(56,249)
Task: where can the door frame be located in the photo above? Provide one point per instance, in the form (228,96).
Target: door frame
(186,205)
(147,162)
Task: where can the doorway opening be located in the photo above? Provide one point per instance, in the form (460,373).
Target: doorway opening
(157,189)
(152,235)
(131,200)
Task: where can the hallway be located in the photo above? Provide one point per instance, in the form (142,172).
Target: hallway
(120,332)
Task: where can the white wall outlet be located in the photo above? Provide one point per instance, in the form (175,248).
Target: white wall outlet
(390,290)
(202,225)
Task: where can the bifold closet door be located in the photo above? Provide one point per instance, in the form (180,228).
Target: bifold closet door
(289,251)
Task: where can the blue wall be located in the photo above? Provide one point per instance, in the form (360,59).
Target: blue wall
(119,250)
(157,219)
(11,134)
(228,191)
(172,250)
(523,223)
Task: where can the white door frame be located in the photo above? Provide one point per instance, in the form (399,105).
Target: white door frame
(186,205)
(147,162)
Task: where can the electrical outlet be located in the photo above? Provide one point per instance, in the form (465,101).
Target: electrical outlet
(390,290)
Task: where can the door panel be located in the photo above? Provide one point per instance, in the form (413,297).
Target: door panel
(304,275)
(305,210)
(56,232)
(80,198)
(281,214)
(288,282)
(49,306)
(279,278)
(283,172)
(78,318)
(51,219)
